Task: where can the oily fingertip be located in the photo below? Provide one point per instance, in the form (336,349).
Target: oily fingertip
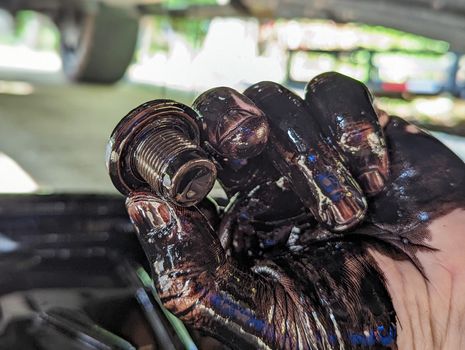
(232,124)
(148,212)
(344,109)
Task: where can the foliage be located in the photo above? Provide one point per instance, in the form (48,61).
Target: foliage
(36,30)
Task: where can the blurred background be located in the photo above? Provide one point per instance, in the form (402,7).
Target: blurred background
(70,70)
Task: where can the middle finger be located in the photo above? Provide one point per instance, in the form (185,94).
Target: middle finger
(298,150)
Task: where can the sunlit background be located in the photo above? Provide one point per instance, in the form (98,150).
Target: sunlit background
(414,77)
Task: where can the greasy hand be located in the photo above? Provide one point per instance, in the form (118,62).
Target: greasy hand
(324,244)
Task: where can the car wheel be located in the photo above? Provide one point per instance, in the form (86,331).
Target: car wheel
(97,46)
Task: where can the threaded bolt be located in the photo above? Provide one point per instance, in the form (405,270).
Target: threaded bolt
(174,166)
(156,147)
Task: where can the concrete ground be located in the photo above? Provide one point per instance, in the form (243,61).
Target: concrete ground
(59,131)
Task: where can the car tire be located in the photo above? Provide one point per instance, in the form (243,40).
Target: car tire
(97,46)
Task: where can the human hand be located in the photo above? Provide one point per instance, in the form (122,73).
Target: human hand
(313,287)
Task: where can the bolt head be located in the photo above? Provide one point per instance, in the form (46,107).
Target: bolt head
(120,145)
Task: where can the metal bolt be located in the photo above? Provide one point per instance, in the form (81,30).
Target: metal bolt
(156,148)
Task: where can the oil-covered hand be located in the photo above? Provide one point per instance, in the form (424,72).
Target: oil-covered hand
(333,235)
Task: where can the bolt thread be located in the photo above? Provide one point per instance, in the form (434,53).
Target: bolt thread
(155,153)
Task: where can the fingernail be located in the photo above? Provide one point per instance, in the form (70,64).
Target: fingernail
(247,139)
(371,181)
(341,202)
(148,213)
(347,212)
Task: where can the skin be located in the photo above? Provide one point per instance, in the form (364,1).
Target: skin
(431,309)
(235,132)
(300,153)
(394,280)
